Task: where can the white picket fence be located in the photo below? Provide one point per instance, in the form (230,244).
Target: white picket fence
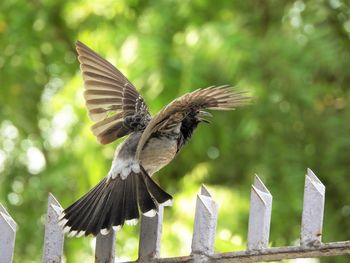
(203,232)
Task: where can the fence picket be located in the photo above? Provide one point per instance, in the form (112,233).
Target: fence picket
(205,220)
(313,208)
(259,215)
(150,236)
(54,237)
(7,237)
(105,247)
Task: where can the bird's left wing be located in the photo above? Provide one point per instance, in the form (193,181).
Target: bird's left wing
(110,97)
(212,98)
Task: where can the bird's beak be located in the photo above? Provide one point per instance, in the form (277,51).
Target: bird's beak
(201,114)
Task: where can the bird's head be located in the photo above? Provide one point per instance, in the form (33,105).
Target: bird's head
(200,116)
(189,124)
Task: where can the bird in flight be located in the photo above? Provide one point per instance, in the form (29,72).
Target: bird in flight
(118,110)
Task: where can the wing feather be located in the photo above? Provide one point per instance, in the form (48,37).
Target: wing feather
(212,98)
(110,97)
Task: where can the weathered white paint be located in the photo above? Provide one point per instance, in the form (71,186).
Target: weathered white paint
(205,220)
(150,236)
(259,216)
(54,236)
(7,236)
(312,218)
(105,247)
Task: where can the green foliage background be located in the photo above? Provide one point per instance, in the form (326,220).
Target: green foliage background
(294,56)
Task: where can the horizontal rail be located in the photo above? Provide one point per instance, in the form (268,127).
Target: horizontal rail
(269,254)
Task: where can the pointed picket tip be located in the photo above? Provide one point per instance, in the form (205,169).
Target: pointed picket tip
(55,205)
(207,203)
(204,191)
(319,186)
(7,217)
(58,210)
(258,183)
(3,210)
(261,191)
(263,197)
(205,198)
(53,201)
(8,221)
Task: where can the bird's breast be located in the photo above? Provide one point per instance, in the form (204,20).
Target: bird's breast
(157,153)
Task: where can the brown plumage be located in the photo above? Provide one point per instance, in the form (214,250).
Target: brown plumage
(118,109)
(108,91)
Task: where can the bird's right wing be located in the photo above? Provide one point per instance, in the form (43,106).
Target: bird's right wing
(110,97)
(212,98)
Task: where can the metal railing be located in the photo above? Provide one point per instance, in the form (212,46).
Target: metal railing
(204,232)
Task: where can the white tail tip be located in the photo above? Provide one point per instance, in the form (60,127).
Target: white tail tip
(168,203)
(131,222)
(104,231)
(150,213)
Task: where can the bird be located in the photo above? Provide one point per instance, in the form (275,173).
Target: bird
(118,110)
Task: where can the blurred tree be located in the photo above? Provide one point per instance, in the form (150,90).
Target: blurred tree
(294,56)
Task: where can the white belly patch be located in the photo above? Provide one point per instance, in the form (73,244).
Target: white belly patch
(123,168)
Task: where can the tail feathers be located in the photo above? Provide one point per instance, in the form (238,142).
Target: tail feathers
(157,193)
(113,202)
(75,217)
(131,207)
(148,205)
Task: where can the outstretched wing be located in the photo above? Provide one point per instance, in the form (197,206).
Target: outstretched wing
(212,98)
(110,97)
